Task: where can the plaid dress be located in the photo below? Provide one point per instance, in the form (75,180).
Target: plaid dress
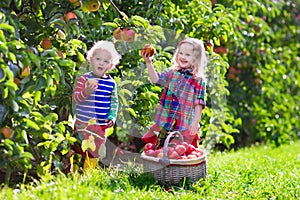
(180,95)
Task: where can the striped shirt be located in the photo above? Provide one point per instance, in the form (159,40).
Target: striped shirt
(181,94)
(101,104)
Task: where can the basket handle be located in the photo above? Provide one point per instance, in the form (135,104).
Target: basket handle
(165,160)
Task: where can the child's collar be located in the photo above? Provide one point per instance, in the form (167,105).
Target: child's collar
(185,71)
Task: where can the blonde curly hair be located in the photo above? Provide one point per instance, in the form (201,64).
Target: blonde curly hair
(108,46)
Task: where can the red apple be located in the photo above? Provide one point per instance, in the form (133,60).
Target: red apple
(180,149)
(128,35)
(151,152)
(6,131)
(46,43)
(190,148)
(159,154)
(70,15)
(148,50)
(25,72)
(172,154)
(182,157)
(149,146)
(191,156)
(117,33)
(17,81)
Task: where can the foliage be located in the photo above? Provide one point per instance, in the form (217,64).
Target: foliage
(260,172)
(253,76)
(263,74)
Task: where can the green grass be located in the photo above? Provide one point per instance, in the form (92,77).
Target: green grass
(260,172)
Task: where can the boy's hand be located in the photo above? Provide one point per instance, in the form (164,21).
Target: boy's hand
(91,86)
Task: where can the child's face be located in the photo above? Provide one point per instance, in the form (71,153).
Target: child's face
(185,56)
(100,61)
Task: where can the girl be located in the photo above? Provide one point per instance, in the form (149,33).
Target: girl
(183,97)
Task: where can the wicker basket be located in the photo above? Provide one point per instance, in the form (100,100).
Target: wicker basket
(171,171)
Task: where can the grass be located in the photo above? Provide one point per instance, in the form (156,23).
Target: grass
(260,172)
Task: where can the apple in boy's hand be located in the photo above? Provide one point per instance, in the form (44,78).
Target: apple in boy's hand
(148,50)
(92,81)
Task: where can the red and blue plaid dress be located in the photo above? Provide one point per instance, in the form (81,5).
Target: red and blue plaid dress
(181,93)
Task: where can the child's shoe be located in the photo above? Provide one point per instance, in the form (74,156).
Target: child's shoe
(90,163)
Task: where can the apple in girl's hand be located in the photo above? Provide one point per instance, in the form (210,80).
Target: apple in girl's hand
(180,149)
(148,50)
(149,146)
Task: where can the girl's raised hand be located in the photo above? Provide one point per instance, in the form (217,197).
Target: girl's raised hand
(147,52)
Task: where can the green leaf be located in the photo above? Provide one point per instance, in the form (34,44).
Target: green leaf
(131,111)
(31,124)
(7,27)
(35,59)
(37,97)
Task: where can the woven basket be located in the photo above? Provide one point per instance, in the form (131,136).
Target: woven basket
(171,171)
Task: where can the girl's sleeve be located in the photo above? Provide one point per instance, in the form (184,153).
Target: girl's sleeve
(163,77)
(79,93)
(112,115)
(200,92)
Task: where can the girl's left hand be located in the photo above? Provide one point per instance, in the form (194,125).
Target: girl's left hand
(194,128)
(110,123)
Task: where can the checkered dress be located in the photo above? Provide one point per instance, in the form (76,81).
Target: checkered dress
(181,93)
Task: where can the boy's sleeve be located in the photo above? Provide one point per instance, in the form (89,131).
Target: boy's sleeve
(200,91)
(112,115)
(79,93)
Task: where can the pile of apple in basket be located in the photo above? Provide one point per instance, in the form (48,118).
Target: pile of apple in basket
(174,161)
(175,150)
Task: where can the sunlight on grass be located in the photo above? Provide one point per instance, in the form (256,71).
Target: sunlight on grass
(260,172)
